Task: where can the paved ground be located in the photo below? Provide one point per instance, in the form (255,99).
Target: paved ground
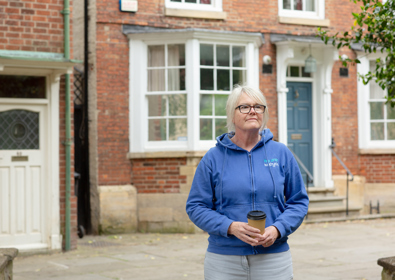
(328,251)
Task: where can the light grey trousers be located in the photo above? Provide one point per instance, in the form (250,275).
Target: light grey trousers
(276,266)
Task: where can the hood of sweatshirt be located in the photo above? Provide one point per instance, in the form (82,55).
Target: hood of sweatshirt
(225,139)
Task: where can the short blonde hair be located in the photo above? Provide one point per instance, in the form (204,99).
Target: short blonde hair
(234,98)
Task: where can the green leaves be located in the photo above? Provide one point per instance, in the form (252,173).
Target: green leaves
(374,27)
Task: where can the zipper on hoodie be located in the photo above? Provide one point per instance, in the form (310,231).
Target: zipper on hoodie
(252,182)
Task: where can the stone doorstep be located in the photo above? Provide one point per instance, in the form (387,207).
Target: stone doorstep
(348,218)
(323,201)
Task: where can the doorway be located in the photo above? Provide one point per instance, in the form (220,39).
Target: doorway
(23,180)
(300,124)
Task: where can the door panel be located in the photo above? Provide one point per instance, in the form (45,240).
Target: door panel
(22,165)
(299,121)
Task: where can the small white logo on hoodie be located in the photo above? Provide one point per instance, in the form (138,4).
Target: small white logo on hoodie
(271,162)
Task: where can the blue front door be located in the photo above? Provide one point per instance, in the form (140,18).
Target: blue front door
(299,120)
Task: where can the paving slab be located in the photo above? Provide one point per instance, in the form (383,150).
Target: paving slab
(337,250)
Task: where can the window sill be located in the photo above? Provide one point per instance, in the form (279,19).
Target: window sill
(195,14)
(304,21)
(377,151)
(199,154)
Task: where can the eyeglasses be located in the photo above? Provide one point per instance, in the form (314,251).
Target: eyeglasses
(245,109)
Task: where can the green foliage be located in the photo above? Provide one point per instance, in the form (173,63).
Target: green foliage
(374,29)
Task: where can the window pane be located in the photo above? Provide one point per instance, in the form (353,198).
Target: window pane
(298,5)
(206,129)
(178,105)
(178,129)
(156,56)
(238,56)
(310,5)
(176,79)
(156,105)
(206,55)
(190,1)
(376,110)
(220,105)
(222,55)
(391,131)
(287,4)
(206,105)
(294,71)
(175,1)
(156,80)
(376,92)
(239,77)
(205,1)
(19,130)
(157,130)
(390,112)
(377,131)
(22,86)
(206,79)
(304,74)
(176,55)
(223,80)
(220,127)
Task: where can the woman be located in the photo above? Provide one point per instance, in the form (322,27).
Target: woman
(247,171)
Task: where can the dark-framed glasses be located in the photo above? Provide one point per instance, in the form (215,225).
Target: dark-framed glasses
(245,109)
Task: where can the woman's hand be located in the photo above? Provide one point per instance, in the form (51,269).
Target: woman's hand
(244,232)
(269,237)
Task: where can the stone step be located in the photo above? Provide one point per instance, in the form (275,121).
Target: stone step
(331,212)
(320,192)
(326,201)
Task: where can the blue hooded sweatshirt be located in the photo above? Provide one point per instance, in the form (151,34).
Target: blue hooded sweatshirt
(230,181)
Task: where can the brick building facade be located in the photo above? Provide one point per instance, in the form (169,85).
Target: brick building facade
(33,130)
(133,49)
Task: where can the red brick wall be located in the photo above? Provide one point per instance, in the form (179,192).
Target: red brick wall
(37,26)
(378,168)
(247,16)
(62,173)
(31,25)
(345,117)
(158,175)
(112,52)
(268,85)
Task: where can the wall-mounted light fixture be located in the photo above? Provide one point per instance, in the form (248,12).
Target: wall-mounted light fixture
(310,64)
(266,59)
(267,67)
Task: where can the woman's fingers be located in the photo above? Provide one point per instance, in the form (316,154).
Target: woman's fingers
(269,237)
(244,232)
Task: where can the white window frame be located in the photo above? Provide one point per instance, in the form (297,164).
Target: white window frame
(364,138)
(319,13)
(138,104)
(216,5)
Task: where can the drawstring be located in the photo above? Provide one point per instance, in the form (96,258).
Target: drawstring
(270,170)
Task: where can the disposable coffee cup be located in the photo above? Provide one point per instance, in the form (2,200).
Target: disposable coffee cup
(257,219)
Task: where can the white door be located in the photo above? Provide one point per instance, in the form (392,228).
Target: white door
(22,176)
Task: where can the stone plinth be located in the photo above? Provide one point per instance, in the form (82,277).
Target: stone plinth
(388,265)
(7,256)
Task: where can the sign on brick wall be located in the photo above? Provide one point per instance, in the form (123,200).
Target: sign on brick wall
(128,5)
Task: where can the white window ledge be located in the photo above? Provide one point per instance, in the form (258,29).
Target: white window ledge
(195,14)
(376,151)
(199,154)
(304,21)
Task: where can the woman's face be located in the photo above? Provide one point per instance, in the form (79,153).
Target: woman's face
(250,121)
